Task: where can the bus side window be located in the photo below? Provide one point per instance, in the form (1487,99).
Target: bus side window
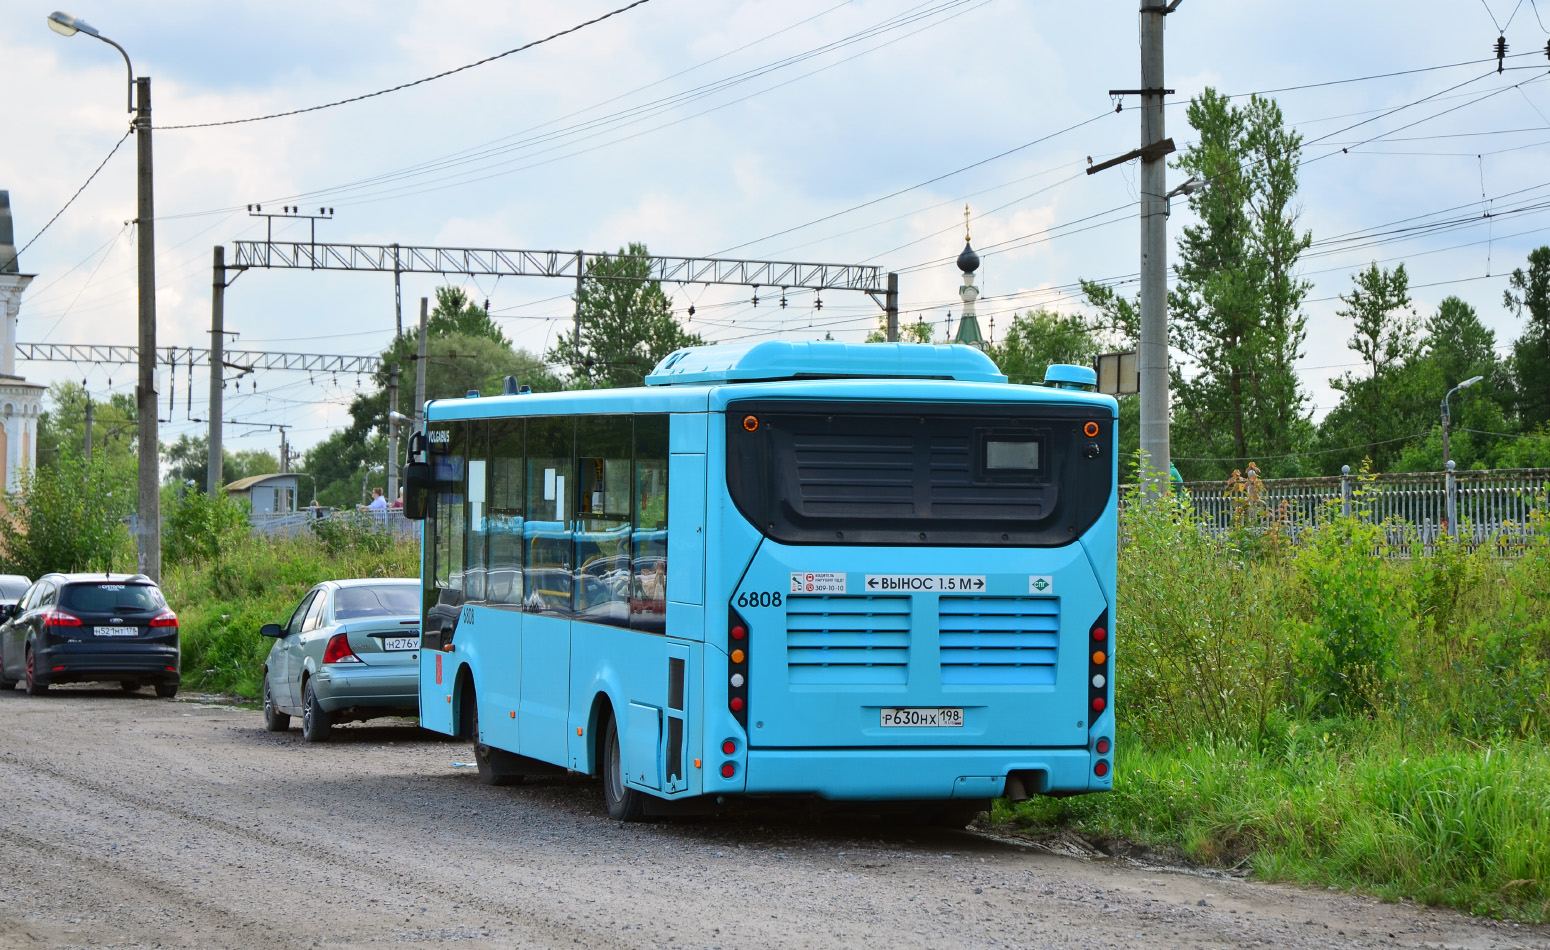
(476,551)
(648,537)
(546,532)
(508,462)
(602,530)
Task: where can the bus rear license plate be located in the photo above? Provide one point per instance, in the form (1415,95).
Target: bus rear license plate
(118,631)
(393,644)
(918,717)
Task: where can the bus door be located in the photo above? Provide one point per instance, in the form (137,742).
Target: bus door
(550,581)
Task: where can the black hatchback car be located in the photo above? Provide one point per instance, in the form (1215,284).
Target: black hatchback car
(76,628)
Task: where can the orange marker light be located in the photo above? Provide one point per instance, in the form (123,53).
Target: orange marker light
(750,423)
(738,656)
(1091,429)
(1098,657)
(578,730)
(513,714)
(696,763)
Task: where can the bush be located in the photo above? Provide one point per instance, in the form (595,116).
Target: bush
(68,516)
(203,527)
(222,604)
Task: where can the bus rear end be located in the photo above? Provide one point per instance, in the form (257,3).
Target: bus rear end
(917,581)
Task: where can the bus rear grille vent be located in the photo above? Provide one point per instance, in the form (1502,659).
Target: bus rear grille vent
(998,641)
(847,640)
(856,475)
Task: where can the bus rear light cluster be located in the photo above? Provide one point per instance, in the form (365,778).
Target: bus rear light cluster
(728,770)
(1101,768)
(737,671)
(1102,746)
(1098,669)
(729,747)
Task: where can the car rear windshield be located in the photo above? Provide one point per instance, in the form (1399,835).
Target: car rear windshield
(107,597)
(1024,474)
(13,590)
(378,600)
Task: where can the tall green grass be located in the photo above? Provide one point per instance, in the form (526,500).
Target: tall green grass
(1329,712)
(223,599)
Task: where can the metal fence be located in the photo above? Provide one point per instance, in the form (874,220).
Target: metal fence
(292,523)
(1488,506)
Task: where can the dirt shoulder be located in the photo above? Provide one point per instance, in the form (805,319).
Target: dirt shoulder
(137,822)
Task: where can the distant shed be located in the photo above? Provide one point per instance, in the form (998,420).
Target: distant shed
(268,494)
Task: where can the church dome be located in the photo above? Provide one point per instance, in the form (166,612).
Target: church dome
(968,261)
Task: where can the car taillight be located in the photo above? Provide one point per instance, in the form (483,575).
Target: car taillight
(737,667)
(165,619)
(338,650)
(58,618)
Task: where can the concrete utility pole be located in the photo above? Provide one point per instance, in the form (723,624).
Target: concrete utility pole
(285,454)
(892,307)
(1153,356)
(214,474)
(419,369)
(148,518)
(392,467)
(88,433)
(581,266)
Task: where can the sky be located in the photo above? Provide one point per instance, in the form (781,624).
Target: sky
(799,130)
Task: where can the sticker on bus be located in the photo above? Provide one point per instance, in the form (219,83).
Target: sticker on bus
(1041,584)
(817,582)
(926,582)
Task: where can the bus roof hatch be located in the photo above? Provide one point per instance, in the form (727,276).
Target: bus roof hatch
(770,360)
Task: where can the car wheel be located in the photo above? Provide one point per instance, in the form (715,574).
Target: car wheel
(624,803)
(314,718)
(274,719)
(129,686)
(496,766)
(34,688)
(166,690)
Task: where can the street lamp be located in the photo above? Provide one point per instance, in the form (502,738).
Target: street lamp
(1447,418)
(148,519)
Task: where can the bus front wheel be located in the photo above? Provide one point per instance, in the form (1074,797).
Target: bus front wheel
(496,766)
(624,803)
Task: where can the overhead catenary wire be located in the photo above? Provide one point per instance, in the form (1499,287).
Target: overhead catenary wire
(418,82)
(63,208)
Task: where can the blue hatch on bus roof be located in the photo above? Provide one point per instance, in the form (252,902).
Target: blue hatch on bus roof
(823,359)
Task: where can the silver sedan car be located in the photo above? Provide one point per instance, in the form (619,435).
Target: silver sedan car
(350,652)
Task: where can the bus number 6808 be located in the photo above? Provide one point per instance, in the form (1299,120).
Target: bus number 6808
(759,598)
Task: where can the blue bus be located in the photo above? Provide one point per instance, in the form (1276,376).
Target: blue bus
(867,572)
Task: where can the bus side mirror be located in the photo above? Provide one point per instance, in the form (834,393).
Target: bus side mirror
(417,490)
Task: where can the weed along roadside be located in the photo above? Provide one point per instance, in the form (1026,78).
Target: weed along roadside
(1324,715)
(1308,713)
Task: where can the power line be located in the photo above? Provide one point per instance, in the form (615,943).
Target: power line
(417,82)
(14,257)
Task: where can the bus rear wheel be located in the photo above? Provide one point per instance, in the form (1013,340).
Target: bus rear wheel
(624,803)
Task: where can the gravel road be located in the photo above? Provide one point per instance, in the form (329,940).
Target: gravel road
(136,822)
